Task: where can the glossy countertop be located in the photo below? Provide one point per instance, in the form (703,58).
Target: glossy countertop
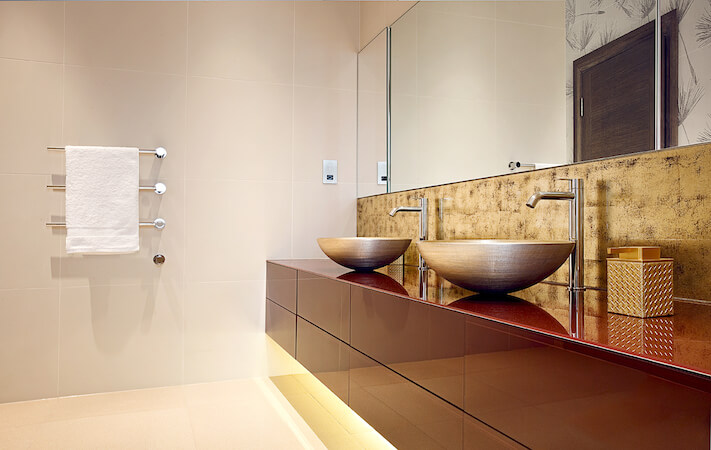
(681,342)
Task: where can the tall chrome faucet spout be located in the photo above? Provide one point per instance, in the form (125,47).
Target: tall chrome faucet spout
(538,196)
(422,210)
(577,258)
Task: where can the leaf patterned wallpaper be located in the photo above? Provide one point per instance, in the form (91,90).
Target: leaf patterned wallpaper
(590,24)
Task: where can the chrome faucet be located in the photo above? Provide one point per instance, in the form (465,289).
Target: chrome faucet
(422,209)
(576,232)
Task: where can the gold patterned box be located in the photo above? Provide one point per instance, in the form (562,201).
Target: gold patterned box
(640,282)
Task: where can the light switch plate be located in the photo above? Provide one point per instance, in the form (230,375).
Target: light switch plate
(382,172)
(330,171)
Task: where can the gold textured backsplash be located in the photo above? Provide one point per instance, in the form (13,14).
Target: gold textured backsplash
(660,198)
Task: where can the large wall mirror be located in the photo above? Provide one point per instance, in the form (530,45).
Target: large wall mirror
(454,91)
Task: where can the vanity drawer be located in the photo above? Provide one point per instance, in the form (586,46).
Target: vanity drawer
(326,303)
(280,325)
(419,341)
(409,416)
(324,356)
(281,286)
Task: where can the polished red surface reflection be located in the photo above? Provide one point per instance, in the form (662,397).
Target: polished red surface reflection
(677,344)
(510,309)
(376,280)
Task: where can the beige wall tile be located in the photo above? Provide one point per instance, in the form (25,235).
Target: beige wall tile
(538,54)
(32,30)
(149,36)
(232,227)
(324,128)
(483,9)
(372,20)
(376,15)
(394,10)
(248,40)
(231,124)
(239,130)
(121,108)
(322,210)
(224,324)
(545,13)
(119,337)
(30,248)
(31,116)
(325,44)
(130,269)
(29,321)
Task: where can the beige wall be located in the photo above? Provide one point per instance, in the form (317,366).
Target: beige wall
(248,98)
(376,15)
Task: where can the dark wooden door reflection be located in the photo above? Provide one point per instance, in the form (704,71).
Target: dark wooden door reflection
(324,356)
(423,343)
(614,94)
(548,397)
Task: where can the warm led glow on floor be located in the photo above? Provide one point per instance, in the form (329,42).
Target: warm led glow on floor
(335,424)
(333,421)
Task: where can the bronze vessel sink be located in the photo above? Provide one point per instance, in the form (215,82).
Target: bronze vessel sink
(495,265)
(363,253)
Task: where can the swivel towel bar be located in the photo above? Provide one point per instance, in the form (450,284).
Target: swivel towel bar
(159,152)
(158,188)
(157,223)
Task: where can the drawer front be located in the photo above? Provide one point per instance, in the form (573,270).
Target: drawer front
(545,396)
(281,286)
(281,326)
(409,416)
(325,303)
(421,342)
(324,356)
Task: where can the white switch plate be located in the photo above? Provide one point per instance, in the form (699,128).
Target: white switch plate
(330,171)
(382,172)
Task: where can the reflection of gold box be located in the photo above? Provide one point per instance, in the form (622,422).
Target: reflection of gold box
(639,282)
(652,337)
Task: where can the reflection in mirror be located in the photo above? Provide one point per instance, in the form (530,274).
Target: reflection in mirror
(372,118)
(694,68)
(486,88)
(610,61)
(476,85)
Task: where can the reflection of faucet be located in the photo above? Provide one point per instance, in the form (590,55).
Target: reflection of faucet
(577,259)
(422,209)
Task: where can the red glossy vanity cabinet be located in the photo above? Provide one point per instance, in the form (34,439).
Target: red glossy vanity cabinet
(431,376)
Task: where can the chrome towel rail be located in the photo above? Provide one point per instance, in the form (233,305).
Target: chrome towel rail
(157,223)
(158,188)
(159,152)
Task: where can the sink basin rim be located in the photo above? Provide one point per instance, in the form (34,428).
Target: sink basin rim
(364,253)
(495,265)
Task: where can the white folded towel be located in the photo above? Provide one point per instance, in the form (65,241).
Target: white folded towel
(102,199)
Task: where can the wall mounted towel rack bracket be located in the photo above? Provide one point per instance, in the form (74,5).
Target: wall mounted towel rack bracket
(158,188)
(157,223)
(159,152)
